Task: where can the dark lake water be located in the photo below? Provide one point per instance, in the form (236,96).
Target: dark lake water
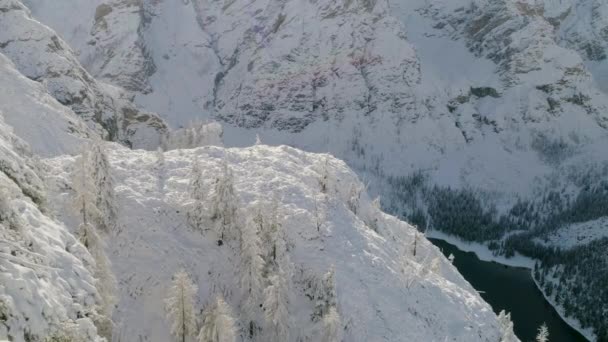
(511,289)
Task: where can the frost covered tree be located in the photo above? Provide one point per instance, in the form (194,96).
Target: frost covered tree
(372,219)
(180,307)
(324,181)
(218,324)
(85,199)
(543,334)
(506,327)
(276,304)
(196,213)
(273,235)
(85,203)
(160,168)
(332,326)
(326,295)
(354,197)
(102,176)
(415,243)
(105,283)
(435,265)
(251,268)
(224,203)
(8,216)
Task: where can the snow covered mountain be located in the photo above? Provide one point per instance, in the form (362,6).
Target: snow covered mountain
(384,292)
(490,113)
(41,55)
(475,93)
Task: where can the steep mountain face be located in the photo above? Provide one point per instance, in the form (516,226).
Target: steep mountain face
(480,118)
(49,127)
(46,283)
(365,80)
(42,56)
(386,284)
(496,109)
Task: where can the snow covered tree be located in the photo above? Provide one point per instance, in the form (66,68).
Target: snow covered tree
(105,283)
(543,334)
(218,324)
(224,209)
(8,217)
(251,268)
(372,219)
(273,235)
(326,296)
(435,265)
(320,213)
(258,141)
(276,306)
(506,327)
(324,181)
(415,243)
(180,307)
(102,176)
(85,200)
(354,197)
(332,326)
(196,213)
(160,168)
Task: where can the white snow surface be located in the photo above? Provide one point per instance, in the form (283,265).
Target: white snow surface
(373,270)
(45,277)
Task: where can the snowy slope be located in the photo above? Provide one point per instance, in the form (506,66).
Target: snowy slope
(48,127)
(373,270)
(46,286)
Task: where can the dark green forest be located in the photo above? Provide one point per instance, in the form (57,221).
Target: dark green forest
(576,278)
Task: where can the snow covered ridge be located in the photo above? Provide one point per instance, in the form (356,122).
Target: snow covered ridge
(194,209)
(41,55)
(46,287)
(23,102)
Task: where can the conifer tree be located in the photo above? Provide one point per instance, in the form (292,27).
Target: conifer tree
(326,295)
(251,267)
(543,334)
(85,199)
(332,326)
(506,327)
(160,168)
(324,181)
(196,213)
(225,203)
(85,202)
(8,217)
(102,176)
(276,306)
(180,307)
(218,324)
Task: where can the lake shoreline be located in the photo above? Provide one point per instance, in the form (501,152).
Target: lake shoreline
(519,261)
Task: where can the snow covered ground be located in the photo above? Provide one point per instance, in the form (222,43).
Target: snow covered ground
(46,282)
(384,292)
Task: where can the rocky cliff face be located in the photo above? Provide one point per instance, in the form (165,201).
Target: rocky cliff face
(41,55)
